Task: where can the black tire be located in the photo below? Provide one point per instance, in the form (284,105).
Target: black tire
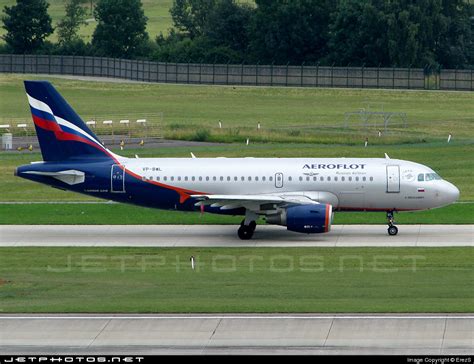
(245,232)
(253,225)
(392,230)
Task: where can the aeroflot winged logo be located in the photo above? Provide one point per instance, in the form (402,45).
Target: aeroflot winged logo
(334,166)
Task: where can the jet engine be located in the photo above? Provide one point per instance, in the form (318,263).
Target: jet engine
(310,219)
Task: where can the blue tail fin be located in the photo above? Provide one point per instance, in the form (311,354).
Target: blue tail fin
(61,133)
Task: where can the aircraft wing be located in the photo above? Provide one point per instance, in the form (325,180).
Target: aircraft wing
(257,203)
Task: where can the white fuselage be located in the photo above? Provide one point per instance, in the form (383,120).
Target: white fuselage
(346,183)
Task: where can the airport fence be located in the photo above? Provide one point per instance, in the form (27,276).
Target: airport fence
(240,74)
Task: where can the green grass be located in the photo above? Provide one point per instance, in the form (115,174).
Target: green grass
(286,114)
(118,214)
(236,280)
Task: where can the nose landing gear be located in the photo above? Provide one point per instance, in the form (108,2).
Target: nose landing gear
(392,229)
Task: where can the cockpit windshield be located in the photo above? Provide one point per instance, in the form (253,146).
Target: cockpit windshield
(432,177)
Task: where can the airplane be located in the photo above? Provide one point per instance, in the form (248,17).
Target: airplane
(299,193)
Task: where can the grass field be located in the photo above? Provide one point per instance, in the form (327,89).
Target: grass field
(118,214)
(236,280)
(286,115)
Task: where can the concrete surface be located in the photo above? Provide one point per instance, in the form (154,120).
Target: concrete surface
(238,334)
(226,236)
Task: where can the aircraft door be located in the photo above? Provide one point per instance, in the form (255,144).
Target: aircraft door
(117,179)
(278,180)
(393,179)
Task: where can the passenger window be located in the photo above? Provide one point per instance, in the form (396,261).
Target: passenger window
(193,178)
(335,179)
(228,178)
(242,178)
(214,178)
(235,178)
(256,179)
(350,179)
(165,178)
(343,179)
(315,179)
(307,179)
(357,179)
(301,178)
(222,178)
(329,178)
(290,178)
(270,178)
(263,178)
(371,179)
(421,177)
(179,178)
(200,178)
(151,178)
(207,178)
(158,178)
(364,179)
(185,178)
(250,179)
(321,178)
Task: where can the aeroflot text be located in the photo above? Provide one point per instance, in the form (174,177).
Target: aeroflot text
(334,166)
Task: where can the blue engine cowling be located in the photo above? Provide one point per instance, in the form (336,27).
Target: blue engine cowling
(310,219)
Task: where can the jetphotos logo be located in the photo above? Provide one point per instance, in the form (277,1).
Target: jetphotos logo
(334,166)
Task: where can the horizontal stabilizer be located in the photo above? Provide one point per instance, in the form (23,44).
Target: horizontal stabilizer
(71,176)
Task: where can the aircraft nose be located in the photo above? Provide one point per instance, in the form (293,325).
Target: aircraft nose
(451,192)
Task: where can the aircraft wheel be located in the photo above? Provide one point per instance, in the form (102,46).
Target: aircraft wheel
(392,230)
(245,232)
(253,225)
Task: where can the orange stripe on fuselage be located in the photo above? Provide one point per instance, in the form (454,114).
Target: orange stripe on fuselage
(184,194)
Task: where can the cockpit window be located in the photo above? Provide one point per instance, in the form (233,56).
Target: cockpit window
(421,177)
(431,176)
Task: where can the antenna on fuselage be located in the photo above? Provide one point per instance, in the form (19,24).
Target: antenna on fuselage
(192,155)
(386,156)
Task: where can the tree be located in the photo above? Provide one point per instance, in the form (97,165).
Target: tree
(292,31)
(27,24)
(121,28)
(358,34)
(227,25)
(69,25)
(456,44)
(190,16)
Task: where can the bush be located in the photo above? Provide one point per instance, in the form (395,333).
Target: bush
(201,135)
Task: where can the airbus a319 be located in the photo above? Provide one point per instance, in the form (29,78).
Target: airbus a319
(299,193)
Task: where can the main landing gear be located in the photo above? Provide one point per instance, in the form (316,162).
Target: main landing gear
(392,229)
(247,226)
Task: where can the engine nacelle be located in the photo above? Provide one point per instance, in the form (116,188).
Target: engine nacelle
(310,219)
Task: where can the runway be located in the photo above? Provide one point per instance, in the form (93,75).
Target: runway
(225,236)
(237,334)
